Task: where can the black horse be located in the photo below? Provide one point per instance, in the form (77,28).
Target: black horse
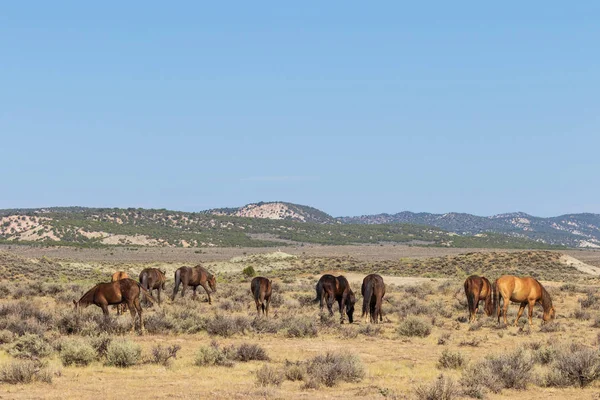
(330,288)
(373,290)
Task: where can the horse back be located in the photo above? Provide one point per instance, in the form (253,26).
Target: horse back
(261,287)
(118,276)
(199,274)
(329,284)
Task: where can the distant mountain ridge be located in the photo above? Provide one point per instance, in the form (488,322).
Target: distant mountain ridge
(572,230)
(277,223)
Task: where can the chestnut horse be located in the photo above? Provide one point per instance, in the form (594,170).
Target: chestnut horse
(261,291)
(153,278)
(330,288)
(478,288)
(117,276)
(119,292)
(194,277)
(372,290)
(526,291)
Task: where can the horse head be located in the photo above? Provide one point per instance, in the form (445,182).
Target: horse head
(212,282)
(549,315)
(350,307)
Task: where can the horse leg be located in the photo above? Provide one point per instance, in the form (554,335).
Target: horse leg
(330,300)
(138,308)
(505,309)
(475,308)
(521,308)
(257,306)
(132,312)
(158,296)
(530,311)
(342,304)
(377,309)
(267,307)
(203,284)
(322,300)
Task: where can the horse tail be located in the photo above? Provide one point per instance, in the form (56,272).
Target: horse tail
(367,298)
(144,280)
(256,292)
(496,299)
(177,282)
(319,289)
(470,296)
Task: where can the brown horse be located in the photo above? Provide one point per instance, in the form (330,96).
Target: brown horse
(194,277)
(478,288)
(330,288)
(372,290)
(153,278)
(117,276)
(526,291)
(122,291)
(261,291)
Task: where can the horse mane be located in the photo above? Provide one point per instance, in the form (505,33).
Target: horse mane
(546,300)
(88,297)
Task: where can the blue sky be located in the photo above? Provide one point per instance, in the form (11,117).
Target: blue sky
(347,107)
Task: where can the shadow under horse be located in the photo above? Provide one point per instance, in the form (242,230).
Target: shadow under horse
(261,289)
(153,279)
(478,288)
(372,290)
(330,289)
(124,291)
(194,277)
(526,291)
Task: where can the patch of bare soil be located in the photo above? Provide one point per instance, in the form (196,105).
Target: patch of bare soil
(580,265)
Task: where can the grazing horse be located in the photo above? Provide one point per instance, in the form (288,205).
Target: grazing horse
(117,276)
(153,278)
(372,290)
(194,277)
(526,291)
(261,291)
(122,291)
(478,288)
(330,288)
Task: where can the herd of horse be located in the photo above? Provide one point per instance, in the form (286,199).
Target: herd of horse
(125,292)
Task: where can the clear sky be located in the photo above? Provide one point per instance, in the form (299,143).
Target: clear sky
(350,107)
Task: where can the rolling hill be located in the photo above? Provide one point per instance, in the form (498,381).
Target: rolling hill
(257,226)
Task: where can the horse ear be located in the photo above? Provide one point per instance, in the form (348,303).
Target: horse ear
(75,302)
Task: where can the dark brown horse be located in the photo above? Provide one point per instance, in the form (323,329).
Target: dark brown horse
(153,278)
(117,276)
(478,288)
(122,291)
(372,290)
(526,291)
(261,291)
(194,277)
(330,289)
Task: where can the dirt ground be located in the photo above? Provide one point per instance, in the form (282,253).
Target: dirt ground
(188,255)
(394,365)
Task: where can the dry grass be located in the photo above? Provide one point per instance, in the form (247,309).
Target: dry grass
(395,366)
